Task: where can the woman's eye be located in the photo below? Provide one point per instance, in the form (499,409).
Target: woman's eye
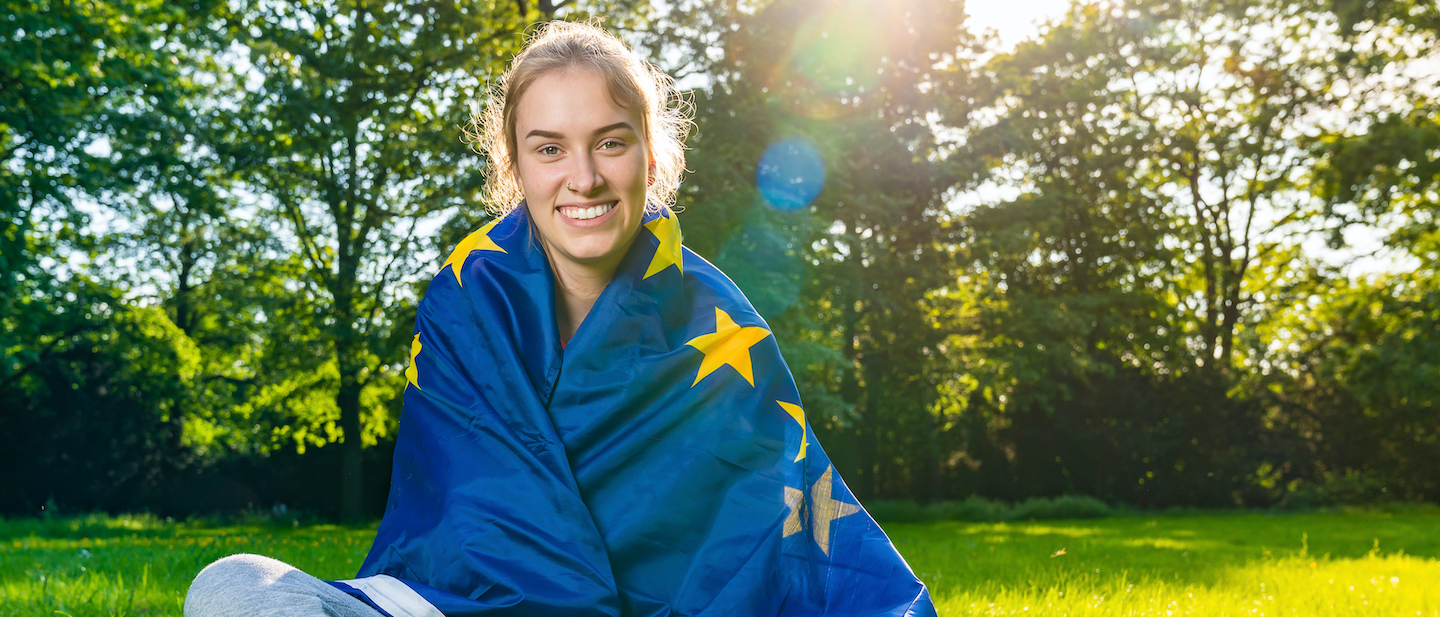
(550,150)
(611,145)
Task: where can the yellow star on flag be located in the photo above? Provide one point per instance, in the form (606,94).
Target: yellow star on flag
(729,344)
(799,414)
(478,241)
(667,230)
(413,374)
(795,500)
(823,509)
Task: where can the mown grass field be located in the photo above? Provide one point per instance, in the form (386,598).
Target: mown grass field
(1233,564)
(1230,564)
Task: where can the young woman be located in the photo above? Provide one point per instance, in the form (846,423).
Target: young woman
(597,421)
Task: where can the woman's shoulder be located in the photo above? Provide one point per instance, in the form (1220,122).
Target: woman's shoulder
(492,264)
(707,286)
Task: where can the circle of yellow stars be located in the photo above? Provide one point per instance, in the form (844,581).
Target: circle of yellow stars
(729,345)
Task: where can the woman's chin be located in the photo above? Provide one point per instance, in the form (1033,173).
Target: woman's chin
(591,252)
(599,246)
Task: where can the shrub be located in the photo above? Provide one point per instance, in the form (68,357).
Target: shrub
(980,509)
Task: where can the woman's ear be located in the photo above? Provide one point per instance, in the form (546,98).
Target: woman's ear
(650,173)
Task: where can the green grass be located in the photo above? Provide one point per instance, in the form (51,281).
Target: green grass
(133,565)
(1227,564)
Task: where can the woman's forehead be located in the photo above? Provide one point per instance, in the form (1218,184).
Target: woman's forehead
(574,102)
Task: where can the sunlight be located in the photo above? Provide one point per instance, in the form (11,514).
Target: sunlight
(1371,585)
(1013,20)
(833,61)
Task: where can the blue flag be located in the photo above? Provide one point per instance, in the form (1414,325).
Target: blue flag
(658,464)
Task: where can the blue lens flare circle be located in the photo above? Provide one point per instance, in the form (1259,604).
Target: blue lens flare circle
(790,174)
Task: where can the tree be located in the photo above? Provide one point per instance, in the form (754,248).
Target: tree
(1358,379)
(92,377)
(851,272)
(1068,277)
(1161,158)
(74,75)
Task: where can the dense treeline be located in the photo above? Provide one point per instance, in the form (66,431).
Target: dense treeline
(1109,261)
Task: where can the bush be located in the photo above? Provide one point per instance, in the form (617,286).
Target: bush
(1351,488)
(979,509)
(1065,506)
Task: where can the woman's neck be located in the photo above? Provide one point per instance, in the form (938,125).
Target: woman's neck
(577,286)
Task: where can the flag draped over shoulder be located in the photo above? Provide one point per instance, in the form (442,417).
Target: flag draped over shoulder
(658,464)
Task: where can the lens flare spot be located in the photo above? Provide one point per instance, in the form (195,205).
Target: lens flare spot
(790,174)
(835,60)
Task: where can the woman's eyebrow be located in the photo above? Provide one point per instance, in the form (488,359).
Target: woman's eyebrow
(604,129)
(616,126)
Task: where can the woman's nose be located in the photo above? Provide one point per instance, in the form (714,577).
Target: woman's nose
(584,177)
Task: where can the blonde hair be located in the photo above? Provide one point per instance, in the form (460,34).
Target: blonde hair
(632,83)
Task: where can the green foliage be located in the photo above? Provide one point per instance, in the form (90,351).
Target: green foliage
(1128,305)
(1360,386)
(1106,329)
(100,415)
(846,282)
(351,135)
(980,509)
(1084,266)
(71,72)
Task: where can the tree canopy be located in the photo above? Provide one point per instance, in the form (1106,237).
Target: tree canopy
(1125,258)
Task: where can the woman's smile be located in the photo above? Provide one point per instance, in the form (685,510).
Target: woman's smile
(587,215)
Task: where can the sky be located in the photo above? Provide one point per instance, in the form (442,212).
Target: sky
(1013,20)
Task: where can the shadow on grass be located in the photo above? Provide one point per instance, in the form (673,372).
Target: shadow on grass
(99,526)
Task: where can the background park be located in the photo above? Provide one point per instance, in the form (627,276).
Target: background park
(1134,313)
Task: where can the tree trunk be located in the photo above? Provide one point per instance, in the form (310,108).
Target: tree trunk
(871,407)
(347,351)
(347,399)
(351,471)
(937,471)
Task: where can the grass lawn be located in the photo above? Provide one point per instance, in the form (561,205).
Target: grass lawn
(1229,564)
(1236,564)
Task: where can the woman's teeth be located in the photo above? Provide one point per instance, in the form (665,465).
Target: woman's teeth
(585,214)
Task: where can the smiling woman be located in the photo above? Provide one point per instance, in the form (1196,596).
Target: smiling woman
(590,138)
(583,168)
(597,421)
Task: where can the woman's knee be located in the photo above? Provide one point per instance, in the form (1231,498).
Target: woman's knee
(231,583)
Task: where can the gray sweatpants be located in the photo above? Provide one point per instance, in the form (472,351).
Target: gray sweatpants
(256,586)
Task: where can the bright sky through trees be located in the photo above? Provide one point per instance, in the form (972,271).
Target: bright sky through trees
(1013,20)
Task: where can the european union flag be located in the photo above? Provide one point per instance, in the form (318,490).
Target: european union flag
(658,464)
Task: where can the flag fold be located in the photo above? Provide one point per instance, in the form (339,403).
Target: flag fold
(659,463)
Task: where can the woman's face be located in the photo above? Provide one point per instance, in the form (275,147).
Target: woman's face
(583,167)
